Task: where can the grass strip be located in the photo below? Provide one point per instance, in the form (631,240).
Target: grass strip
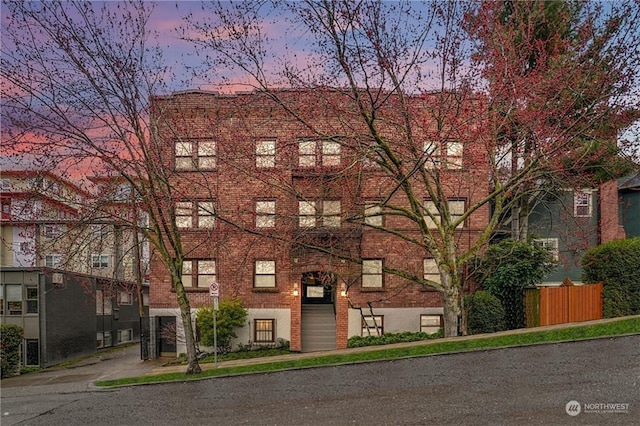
(431,347)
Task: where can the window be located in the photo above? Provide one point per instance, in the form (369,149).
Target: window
(431,324)
(206,214)
(331,213)
(53,231)
(125,298)
(99,231)
(100,340)
(372,325)
(198,273)
(551,244)
(330,153)
(582,203)
(32,300)
(107,339)
(307,214)
(52,260)
(103,304)
(431,272)
(195,155)
(25,247)
(372,273)
(265,214)
(265,274)
(327,151)
(5,185)
(184,214)
(99,260)
(14,299)
(373,214)
(306,153)
(266,153)
(203,217)
(264,331)
(456,210)
(446,154)
(125,335)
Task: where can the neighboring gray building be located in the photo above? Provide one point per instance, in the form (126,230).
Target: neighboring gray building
(66,315)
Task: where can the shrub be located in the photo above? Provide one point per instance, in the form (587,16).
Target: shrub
(506,269)
(388,338)
(485,313)
(10,340)
(230,315)
(616,265)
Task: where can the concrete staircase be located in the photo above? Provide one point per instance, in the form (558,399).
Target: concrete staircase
(318,328)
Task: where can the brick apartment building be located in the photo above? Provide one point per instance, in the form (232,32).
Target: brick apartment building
(275,211)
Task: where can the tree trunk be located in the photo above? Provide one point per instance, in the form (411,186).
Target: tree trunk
(451,301)
(193,367)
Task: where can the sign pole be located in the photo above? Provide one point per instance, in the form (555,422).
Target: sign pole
(214,291)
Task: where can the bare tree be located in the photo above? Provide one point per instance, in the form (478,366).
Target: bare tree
(77,82)
(412,89)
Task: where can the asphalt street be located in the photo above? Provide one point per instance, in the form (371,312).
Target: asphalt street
(577,383)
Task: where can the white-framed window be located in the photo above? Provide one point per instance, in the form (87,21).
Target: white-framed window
(53,260)
(431,324)
(125,297)
(313,153)
(582,203)
(205,214)
(551,244)
(195,155)
(331,213)
(372,273)
(264,330)
(330,153)
(99,260)
(100,231)
(447,154)
(184,214)
(306,214)
(125,335)
(266,153)
(373,325)
(5,185)
(431,272)
(53,230)
(373,214)
(265,274)
(199,214)
(14,299)
(456,210)
(265,214)
(32,299)
(198,273)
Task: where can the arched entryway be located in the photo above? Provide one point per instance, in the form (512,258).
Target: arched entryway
(318,311)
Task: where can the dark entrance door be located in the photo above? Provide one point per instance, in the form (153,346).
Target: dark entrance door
(317,288)
(166,330)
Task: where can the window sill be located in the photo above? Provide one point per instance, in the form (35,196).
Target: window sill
(265,290)
(372,289)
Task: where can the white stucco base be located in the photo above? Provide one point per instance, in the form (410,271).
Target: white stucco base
(396,320)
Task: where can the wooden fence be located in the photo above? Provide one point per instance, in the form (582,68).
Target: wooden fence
(558,305)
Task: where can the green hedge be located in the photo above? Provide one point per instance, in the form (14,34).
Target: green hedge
(388,338)
(10,340)
(617,265)
(230,315)
(485,313)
